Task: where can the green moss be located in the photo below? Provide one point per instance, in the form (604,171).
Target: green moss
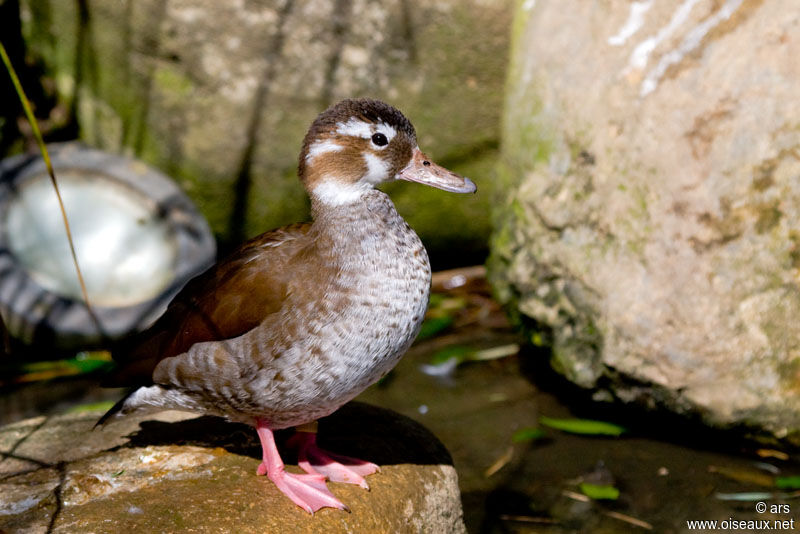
(527,139)
(789,372)
(173,82)
(794,252)
(99,123)
(501,246)
(768,217)
(636,223)
(141,103)
(779,325)
(537,339)
(763,177)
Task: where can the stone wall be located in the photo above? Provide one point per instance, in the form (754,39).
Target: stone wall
(219,94)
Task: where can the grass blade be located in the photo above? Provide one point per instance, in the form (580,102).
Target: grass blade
(26,106)
(583,426)
(599,492)
(527,434)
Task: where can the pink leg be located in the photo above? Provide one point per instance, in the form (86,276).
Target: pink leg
(309,492)
(336,467)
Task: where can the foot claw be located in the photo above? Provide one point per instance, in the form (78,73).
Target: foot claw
(335,467)
(309,492)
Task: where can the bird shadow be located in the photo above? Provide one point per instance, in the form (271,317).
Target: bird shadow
(357,429)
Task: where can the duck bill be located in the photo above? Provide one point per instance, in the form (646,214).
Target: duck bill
(423,171)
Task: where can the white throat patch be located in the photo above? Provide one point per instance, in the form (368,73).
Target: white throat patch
(335,193)
(377,169)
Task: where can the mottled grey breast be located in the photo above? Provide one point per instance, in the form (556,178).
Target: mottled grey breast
(337,334)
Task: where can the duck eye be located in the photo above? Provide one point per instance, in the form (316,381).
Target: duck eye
(379,139)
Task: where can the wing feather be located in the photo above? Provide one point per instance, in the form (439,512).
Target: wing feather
(229,299)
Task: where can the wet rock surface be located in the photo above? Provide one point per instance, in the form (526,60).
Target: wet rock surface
(668,470)
(177,472)
(650,231)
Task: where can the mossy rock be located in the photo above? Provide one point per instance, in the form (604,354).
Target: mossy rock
(219,95)
(647,227)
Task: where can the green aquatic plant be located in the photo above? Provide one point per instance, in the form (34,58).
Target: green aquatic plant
(583,426)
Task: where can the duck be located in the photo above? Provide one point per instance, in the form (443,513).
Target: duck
(299,320)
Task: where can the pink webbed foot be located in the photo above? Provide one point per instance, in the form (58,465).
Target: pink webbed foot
(336,467)
(308,491)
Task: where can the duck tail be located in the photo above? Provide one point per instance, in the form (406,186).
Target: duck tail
(113,412)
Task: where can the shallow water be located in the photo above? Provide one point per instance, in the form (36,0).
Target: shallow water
(668,470)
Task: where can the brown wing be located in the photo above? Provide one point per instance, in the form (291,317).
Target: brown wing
(231,298)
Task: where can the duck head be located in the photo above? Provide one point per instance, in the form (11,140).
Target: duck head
(357,144)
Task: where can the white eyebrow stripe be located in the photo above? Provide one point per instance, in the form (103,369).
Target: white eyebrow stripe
(322,147)
(386,130)
(355,128)
(358,128)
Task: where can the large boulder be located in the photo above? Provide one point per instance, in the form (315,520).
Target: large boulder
(178,473)
(652,171)
(220,94)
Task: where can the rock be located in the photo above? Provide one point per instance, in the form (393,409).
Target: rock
(176,471)
(219,94)
(651,161)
